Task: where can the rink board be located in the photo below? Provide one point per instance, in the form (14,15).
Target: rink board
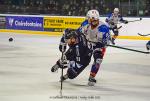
(60,33)
(54,25)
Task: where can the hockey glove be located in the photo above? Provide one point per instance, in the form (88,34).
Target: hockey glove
(126,22)
(112,23)
(62,48)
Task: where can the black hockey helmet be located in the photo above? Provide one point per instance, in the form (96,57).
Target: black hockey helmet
(69,33)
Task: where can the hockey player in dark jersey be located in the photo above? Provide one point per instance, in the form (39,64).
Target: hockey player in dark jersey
(78,54)
(148,45)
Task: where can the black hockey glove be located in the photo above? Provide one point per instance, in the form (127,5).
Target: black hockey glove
(62,48)
(62,64)
(126,22)
(112,23)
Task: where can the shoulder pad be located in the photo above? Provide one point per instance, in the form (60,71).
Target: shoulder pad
(109,15)
(84,23)
(103,28)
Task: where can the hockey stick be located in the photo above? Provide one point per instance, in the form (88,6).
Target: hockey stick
(116,28)
(132,21)
(134,50)
(135,20)
(119,27)
(143,34)
(62,71)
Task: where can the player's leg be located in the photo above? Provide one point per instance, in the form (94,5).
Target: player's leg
(73,71)
(115,31)
(98,57)
(70,72)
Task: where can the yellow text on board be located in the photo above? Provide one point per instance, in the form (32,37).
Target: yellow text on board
(63,22)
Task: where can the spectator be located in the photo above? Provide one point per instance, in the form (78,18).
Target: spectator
(72,7)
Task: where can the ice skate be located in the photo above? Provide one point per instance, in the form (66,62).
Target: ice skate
(113,41)
(92,81)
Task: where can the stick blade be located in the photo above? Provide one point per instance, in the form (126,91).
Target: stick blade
(143,34)
(139,34)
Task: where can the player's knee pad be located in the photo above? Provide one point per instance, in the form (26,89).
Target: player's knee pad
(95,67)
(97,55)
(72,73)
(98,61)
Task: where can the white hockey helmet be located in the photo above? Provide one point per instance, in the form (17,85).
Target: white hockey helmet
(93,14)
(88,14)
(116,10)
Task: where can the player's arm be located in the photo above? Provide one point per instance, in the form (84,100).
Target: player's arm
(106,37)
(63,43)
(122,20)
(81,29)
(109,19)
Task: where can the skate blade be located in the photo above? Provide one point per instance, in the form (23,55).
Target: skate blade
(91,83)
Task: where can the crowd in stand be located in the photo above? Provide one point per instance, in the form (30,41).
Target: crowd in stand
(64,7)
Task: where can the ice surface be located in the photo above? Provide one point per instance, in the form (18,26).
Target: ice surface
(25,72)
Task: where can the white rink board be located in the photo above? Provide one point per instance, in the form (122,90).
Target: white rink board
(130,29)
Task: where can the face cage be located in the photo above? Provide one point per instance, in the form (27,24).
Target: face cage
(71,41)
(94,21)
(116,12)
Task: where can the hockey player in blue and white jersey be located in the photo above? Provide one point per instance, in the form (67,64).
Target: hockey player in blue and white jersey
(113,19)
(98,35)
